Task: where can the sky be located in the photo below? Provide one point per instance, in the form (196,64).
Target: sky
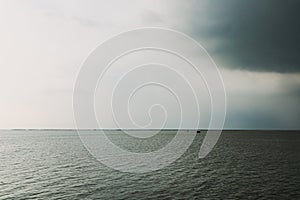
(254,43)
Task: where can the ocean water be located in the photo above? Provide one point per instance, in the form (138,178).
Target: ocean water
(244,164)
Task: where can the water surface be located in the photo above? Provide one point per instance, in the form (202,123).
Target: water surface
(244,164)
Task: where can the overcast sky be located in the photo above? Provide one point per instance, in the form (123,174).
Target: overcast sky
(255,43)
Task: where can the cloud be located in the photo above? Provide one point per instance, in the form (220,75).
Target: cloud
(252,35)
(43,44)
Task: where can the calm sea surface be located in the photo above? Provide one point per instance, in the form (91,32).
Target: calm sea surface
(244,164)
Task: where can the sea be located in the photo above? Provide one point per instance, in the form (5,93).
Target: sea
(54,164)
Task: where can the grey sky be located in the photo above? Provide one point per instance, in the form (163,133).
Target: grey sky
(255,44)
(253,35)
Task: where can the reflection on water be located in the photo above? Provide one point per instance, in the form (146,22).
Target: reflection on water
(55,164)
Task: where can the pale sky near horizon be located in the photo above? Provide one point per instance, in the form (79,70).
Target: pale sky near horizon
(255,44)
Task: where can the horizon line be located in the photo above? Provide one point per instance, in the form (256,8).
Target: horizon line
(139,129)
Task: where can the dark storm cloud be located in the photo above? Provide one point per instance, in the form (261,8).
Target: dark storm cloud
(253,35)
